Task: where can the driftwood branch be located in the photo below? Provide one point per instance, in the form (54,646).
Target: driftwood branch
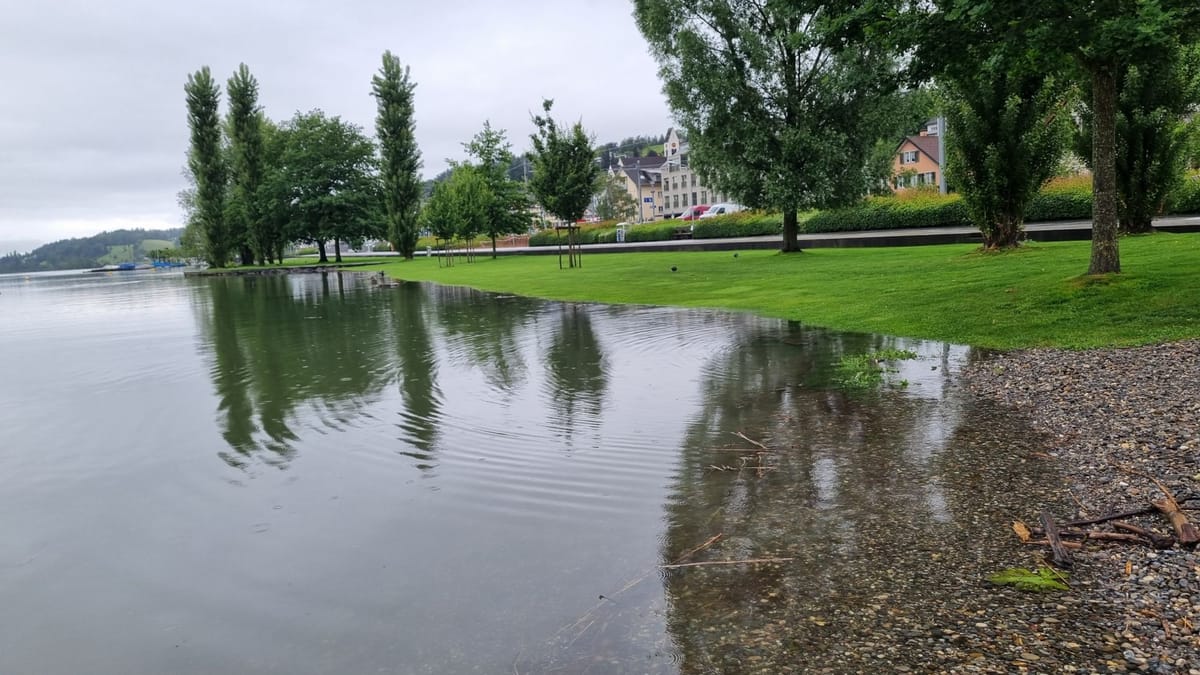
(748,561)
(1059,555)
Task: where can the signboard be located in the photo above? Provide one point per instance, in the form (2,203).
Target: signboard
(648,200)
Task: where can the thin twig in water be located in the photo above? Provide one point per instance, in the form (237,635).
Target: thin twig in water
(751,441)
(749,561)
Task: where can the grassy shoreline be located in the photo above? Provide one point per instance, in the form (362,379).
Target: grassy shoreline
(1032,297)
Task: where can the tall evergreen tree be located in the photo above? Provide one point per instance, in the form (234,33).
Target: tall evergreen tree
(782,102)
(247,224)
(206,162)
(395,126)
(564,167)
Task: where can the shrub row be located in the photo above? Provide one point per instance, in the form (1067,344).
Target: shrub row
(1060,199)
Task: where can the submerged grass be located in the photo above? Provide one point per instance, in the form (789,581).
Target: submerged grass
(866,371)
(1034,296)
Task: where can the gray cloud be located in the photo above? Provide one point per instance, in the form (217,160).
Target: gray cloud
(92,121)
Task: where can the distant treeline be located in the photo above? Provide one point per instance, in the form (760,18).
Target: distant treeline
(85,252)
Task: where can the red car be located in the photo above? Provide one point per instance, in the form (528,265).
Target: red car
(694,212)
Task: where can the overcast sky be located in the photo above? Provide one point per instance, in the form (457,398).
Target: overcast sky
(93,128)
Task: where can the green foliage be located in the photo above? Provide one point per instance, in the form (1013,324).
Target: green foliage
(1153,102)
(564,167)
(740,224)
(1043,579)
(783,104)
(395,128)
(613,201)
(1186,197)
(1062,199)
(248,230)
(506,204)
(866,371)
(206,163)
(329,188)
(458,207)
(1007,127)
(891,213)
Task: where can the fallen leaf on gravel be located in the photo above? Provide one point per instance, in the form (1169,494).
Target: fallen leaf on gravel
(1021,530)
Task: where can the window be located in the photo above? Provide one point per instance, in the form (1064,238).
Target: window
(703,197)
(676,201)
(683,161)
(685,203)
(909,157)
(931,178)
(694,198)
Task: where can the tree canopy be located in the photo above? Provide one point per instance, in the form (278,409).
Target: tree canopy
(247,226)
(564,167)
(329,180)
(400,159)
(206,162)
(782,102)
(507,206)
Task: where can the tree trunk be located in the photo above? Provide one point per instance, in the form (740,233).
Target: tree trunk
(493,247)
(1004,233)
(321,247)
(1106,257)
(246,254)
(790,230)
(337,250)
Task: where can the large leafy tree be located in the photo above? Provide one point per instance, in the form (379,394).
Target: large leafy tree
(507,207)
(564,167)
(783,102)
(1007,110)
(400,158)
(206,162)
(244,124)
(1153,105)
(1103,36)
(329,183)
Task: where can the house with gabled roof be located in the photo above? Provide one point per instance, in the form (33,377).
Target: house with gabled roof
(643,182)
(916,159)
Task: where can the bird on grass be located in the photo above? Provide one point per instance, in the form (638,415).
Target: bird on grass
(673,268)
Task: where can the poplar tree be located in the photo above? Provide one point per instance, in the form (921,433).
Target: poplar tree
(400,158)
(247,224)
(207,164)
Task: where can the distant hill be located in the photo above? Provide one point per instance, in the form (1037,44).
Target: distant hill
(105,248)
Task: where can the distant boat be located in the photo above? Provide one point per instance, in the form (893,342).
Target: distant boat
(122,267)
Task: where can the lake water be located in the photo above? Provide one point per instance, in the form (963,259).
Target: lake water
(309,474)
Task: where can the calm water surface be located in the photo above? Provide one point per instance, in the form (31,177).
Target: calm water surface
(308,474)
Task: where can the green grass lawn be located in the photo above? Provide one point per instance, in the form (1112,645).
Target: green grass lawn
(1032,297)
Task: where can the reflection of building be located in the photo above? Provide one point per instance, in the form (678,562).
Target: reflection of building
(680,185)
(643,181)
(916,159)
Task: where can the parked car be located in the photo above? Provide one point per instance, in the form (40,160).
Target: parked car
(722,209)
(694,212)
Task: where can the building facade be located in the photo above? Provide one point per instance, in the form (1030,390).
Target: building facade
(681,186)
(916,160)
(643,182)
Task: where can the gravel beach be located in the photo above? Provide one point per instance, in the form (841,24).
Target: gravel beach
(1109,418)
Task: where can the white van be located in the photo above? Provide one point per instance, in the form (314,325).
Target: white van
(722,209)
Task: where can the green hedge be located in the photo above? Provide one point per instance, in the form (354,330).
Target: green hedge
(888,213)
(741,224)
(549,237)
(1186,197)
(1061,199)
(659,231)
